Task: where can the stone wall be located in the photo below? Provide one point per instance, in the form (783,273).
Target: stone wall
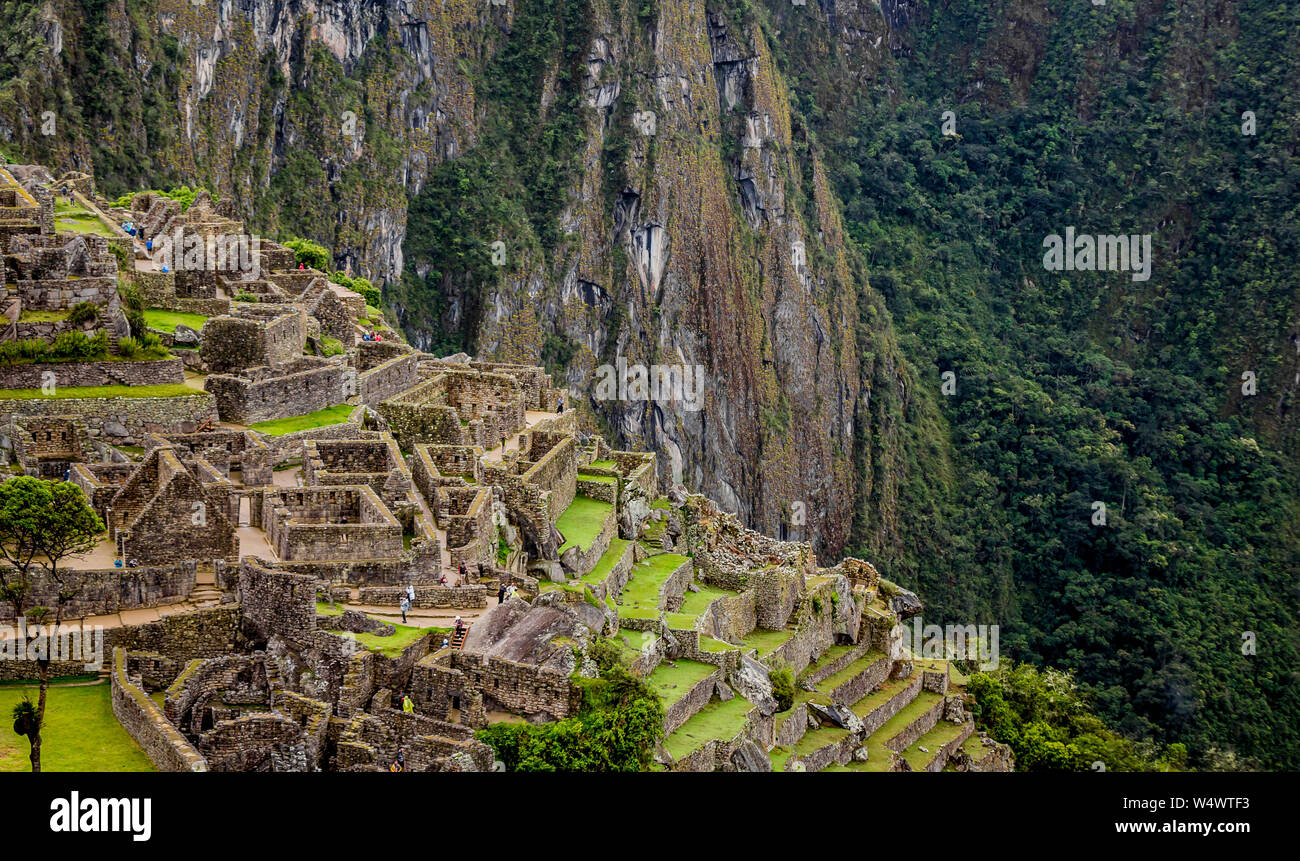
(504,685)
(277,603)
(234,343)
(124,420)
(112,590)
(248,400)
(383,381)
(140,716)
(469,597)
(71,374)
(330,523)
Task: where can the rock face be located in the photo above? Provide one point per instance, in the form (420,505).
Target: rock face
(700,236)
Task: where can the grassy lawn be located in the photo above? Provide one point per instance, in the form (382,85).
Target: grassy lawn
(581,521)
(166,321)
(716,720)
(336,415)
(76,218)
(165,390)
(672,683)
(80,732)
(603,479)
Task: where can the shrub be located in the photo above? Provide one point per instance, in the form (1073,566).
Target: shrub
(76,347)
(82,312)
(309,253)
(782,688)
(133,305)
(245,296)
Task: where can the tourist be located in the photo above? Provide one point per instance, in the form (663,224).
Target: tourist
(410,593)
(501,593)
(408,704)
(560,407)
(405,605)
(462,572)
(460,626)
(445,642)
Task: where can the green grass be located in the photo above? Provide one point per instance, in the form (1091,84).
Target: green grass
(166,321)
(42,316)
(766,642)
(696,603)
(672,683)
(581,522)
(717,720)
(877,698)
(680,621)
(77,219)
(943,732)
(975,748)
(335,415)
(165,390)
(603,464)
(603,479)
(617,547)
(323,609)
(708,644)
(392,647)
(80,732)
(832,682)
(645,583)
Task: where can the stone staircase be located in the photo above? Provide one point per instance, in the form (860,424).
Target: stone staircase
(205,592)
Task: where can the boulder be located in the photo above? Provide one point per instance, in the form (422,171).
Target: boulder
(115,429)
(838,715)
(751,681)
(631,518)
(750,757)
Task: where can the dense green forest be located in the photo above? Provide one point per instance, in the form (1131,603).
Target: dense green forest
(1073,388)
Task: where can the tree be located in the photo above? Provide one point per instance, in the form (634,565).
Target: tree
(42,523)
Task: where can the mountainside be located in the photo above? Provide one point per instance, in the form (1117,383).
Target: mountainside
(768,191)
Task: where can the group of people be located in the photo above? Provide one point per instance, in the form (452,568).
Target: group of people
(504,592)
(371,336)
(407,602)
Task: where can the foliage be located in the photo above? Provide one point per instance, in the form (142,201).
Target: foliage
(616,730)
(783,688)
(1083,387)
(310,254)
(1051,726)
(82,313)
(183,194)
(358,285)
(70,346)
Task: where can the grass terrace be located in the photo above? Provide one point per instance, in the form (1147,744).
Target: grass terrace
(80,732)
(641,597)
(335,415)
(75,218)
(717,720)
(765,642)
(167,321)
(830,683)
(164,390)
(943,733)
(603,479)
(605,564)
(42,316)
(392,647)
(581,522)
(696,603)
(672,683)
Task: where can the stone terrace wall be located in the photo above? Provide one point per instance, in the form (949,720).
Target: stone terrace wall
(183,636)
(390,378)
(234,343)
(126,420)
(71,374)
(469,597)
(140,716)
(112,590)
(247,401)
